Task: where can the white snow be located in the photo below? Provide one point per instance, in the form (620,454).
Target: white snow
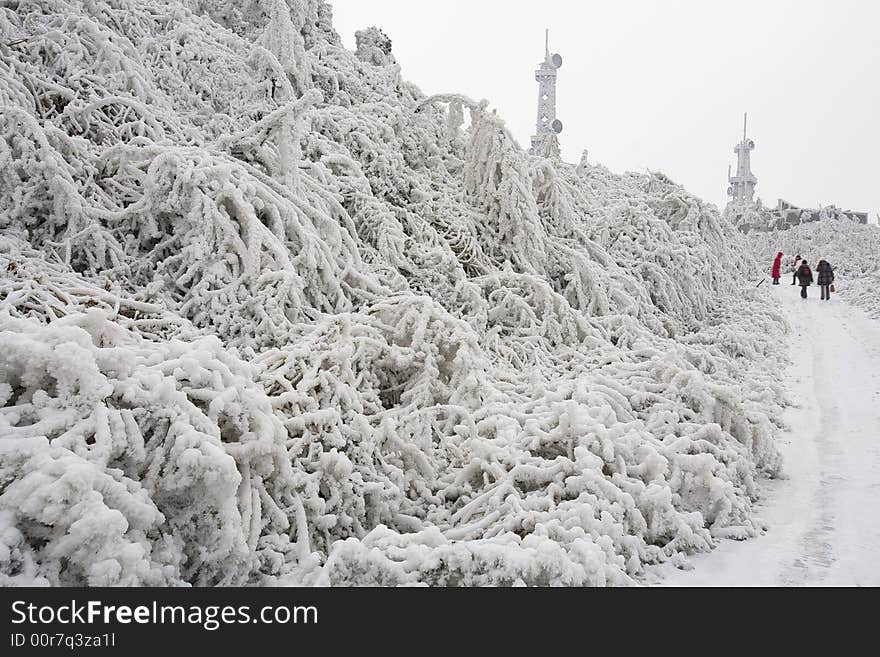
(823,525)
(269,315)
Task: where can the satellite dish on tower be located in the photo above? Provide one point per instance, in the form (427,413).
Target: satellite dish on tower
(556,60)
(556,126)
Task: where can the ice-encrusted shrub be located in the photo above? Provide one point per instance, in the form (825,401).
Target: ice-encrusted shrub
(271,315)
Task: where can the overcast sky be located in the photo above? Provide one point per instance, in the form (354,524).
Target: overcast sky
(663,85)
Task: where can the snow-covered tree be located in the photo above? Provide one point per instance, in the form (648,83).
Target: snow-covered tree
(270,315)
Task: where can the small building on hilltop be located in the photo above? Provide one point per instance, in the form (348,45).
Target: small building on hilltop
(786,215)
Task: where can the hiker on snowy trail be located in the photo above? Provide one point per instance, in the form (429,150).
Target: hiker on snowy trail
(825,278)
(777,264)
(794,268)
(805,276)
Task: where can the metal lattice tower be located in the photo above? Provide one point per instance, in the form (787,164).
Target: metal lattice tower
(547,123)
(742,185)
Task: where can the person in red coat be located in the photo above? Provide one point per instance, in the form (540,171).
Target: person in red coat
(777,264)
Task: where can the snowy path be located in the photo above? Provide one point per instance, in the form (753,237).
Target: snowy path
(824,520)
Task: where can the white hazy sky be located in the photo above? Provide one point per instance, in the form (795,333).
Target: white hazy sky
(663,85)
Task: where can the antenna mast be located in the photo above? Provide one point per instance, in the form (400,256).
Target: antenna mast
(742,186)
(546,124)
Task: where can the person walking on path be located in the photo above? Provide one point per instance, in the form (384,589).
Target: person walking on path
(805,278)
(824,278)
(777,265)
(794,268)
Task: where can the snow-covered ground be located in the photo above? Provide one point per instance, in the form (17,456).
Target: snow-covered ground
(270,315)
(823,520)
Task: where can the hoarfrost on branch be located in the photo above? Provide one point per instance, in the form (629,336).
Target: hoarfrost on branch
(269,315)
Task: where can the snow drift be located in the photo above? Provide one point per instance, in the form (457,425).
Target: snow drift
(269,315)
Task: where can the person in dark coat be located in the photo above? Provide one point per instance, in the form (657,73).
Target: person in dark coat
(805,278)
(794,268)
(824,278)
(777,265)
